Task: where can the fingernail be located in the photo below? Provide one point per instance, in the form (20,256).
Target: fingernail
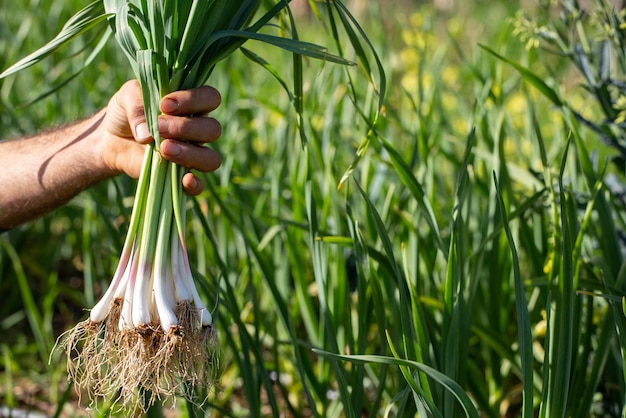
(169,105)
(193,183)
(170,148)
(142,132)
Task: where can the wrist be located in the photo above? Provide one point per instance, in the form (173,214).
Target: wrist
(101,147)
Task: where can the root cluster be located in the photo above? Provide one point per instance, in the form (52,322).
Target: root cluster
(135,366)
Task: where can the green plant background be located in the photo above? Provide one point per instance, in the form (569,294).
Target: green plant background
(472,265)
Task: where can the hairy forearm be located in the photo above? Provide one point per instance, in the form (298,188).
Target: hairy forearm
(44,171)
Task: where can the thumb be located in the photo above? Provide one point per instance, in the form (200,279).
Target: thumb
(125,113)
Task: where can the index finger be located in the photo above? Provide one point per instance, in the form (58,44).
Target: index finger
(201,100)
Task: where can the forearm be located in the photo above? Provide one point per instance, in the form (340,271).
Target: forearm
(42,172)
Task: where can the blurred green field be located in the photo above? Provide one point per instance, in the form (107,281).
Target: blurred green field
(471,265)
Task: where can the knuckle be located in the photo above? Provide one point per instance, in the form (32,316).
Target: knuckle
(175,127)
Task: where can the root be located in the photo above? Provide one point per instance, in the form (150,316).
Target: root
(81,345)
(134,367)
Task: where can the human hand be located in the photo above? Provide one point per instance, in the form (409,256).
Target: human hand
(126,133)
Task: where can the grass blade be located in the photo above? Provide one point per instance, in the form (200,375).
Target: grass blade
(523,317)
(33,313)
(530,77)
(81,22)
(410,181)
(297,47)
(442,379)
